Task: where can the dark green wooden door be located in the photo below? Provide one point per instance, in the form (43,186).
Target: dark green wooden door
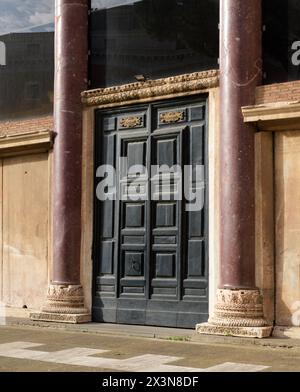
(150,252)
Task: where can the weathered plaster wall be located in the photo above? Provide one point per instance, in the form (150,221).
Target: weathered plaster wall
(24,207)
(287,214)
(277,113)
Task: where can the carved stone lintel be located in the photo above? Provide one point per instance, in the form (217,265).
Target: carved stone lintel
(64,303)
(237,313)
(193,83)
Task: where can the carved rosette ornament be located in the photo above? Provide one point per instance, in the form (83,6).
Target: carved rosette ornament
(237,313)
(64,303)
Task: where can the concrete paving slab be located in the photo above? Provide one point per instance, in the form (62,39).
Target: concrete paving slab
(203,355)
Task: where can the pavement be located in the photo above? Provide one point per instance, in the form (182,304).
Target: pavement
(46,347)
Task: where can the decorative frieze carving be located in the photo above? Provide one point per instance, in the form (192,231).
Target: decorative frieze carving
(131,122)
(171,117)
(193,83)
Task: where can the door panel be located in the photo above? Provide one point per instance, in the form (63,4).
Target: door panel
(150,258)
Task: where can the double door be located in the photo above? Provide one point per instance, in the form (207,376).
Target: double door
(150,234)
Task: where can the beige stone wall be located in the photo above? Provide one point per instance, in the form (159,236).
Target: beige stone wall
(86,262)
(278,225)
(287,214)
(24,229)
(277,113)
(264,226)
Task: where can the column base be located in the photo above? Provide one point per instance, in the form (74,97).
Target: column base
(248,332)
(237,313)
(64,304)
(61,318)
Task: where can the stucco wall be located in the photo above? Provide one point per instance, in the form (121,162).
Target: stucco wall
(278,225)
(24,209)
(287,218)
(277,202)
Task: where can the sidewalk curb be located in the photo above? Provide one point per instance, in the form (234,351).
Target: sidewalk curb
(167,334)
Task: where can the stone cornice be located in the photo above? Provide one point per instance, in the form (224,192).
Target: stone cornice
(279,116)
(25,143)
(175,86)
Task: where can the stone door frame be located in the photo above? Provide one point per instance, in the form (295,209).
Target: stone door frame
(193,84)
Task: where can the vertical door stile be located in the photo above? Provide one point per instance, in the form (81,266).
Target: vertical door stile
(206,204)
(180,215)
(96,237)
(117,217)
(184,215)
(148,266)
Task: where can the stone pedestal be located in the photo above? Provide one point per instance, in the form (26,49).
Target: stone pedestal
(237,313)
(64,303)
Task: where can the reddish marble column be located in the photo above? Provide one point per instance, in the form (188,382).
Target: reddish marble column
(238,309)
(240,73)
(65,296)
(71,41)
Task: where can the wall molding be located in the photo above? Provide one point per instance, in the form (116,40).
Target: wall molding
(22,143)
(151,90)
(281,116)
